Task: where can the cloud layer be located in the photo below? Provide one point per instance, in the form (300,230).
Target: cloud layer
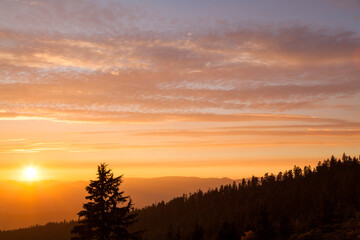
(61,61)
(176,85)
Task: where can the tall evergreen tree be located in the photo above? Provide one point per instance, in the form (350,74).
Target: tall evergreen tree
(198,233)
(228,231)
(108,214)
(265,230)
(284,229)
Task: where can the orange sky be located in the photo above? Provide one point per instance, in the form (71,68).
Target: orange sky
(71,150)
(156,95)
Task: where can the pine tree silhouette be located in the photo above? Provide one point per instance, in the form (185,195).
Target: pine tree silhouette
(198,233)
(228,231)
(108,214)
(265,230)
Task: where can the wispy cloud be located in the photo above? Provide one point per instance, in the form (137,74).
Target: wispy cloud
(233,70)
(71,147)
(197,91)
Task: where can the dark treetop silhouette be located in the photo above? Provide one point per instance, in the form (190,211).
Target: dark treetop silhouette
(320,203)
(108,214)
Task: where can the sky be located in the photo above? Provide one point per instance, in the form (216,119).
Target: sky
(177,88)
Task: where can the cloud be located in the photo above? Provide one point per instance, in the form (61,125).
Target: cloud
(31,147)
(92,61)
(197,133)
(69,17)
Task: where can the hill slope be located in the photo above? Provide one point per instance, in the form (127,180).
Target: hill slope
(24,204)
(319,203)
(291,202)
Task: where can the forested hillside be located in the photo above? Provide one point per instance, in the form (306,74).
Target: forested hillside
(301,203)
(273,206)
(54,200)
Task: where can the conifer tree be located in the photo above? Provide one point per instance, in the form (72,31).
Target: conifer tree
(198,233)
(265,229)
(108,214)
(228,231)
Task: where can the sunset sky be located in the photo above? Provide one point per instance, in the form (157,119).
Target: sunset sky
(206,88)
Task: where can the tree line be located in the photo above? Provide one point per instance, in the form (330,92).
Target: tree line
(300,203)
(270,207)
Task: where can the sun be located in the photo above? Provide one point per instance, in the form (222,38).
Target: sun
(30,173)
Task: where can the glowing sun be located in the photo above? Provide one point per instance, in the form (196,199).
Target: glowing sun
(30,173)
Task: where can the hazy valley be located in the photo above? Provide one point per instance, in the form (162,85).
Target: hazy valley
(30,203)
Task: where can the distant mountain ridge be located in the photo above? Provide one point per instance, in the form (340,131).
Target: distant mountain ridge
(298,204)
(23,204)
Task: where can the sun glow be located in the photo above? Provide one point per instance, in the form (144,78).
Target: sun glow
(30,173)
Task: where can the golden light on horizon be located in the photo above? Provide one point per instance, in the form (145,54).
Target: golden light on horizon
(30,173)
